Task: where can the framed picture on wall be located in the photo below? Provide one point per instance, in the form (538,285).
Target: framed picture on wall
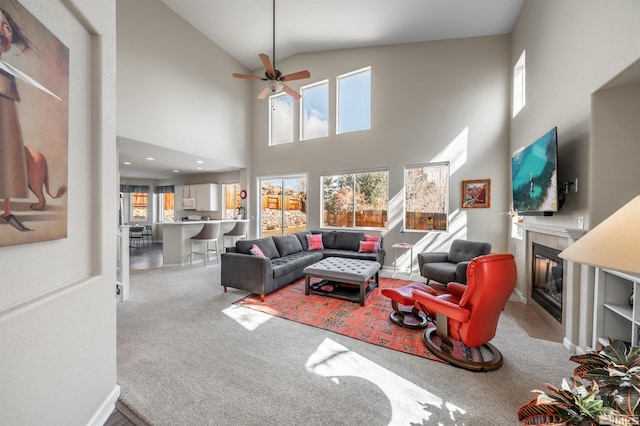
(34,111)
(476,193)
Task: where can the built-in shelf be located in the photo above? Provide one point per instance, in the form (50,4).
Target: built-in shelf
(616,313)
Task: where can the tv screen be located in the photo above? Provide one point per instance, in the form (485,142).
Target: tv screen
(534,176)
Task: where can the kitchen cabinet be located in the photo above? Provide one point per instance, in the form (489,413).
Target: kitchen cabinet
(189,191)
(616,310)
(206,197)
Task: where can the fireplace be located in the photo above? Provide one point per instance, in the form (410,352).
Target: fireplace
(546,279)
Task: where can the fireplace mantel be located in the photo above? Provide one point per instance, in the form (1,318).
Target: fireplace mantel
(572,234)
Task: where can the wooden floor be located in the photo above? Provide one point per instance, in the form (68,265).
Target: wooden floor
(123,416)
(145,257)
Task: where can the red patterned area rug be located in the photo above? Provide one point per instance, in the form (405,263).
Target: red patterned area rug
(369,323)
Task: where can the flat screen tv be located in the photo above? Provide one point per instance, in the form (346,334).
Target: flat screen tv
(534,176)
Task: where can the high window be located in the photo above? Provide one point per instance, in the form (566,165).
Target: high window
(355,200)
(354,101)
(519,86)
(281,119)
(283,205)
(426,197)
(314,111)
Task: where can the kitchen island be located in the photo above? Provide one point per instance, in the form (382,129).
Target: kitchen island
(176,246)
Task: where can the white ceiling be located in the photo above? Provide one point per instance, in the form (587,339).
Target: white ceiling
(243,28)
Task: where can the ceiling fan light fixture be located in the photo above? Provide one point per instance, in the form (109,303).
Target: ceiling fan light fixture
(275,86)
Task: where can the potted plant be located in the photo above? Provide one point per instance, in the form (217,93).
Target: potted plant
(605,390)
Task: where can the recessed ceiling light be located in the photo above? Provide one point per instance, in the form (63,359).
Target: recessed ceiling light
(200,162)
(176,171)
(150,158)
(199,168)
(127,163)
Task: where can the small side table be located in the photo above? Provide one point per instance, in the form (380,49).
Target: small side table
(402,246)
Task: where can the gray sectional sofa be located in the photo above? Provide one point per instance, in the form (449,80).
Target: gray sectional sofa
(285,258)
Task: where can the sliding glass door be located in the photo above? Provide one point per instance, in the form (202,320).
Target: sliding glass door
(283,205)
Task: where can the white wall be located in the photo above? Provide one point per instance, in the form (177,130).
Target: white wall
(57,298)
(424,96)
(175,87)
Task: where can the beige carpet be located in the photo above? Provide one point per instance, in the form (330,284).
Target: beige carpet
(188,356)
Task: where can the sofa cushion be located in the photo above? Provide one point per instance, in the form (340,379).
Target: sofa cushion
(302,237)
(348,240)
(266,244)
(328,238)
(287,244)
(314,242)
(378,257)
(296,261)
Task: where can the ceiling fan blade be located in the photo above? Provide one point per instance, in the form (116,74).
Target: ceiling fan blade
(295,95)
(264,93)
(296,76)
(267,65)
(248,77)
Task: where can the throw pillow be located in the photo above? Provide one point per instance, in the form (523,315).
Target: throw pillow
(314,241)
(368,247)
(375,238)
(255,251)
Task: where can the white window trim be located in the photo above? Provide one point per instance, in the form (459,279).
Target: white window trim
(519,84)
(338,78)
(301,115)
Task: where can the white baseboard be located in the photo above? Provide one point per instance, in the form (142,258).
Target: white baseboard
(105,410)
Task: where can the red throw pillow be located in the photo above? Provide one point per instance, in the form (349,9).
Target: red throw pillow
(255,250)
(368,247)
(375,238)
(315,241)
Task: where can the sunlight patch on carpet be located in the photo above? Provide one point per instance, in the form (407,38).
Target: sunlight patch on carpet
(410,404)
(250,319)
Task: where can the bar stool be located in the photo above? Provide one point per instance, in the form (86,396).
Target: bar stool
(238,232)
(147,234)
(207,236)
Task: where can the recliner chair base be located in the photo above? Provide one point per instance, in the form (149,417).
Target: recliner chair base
(410,319)
(445,354)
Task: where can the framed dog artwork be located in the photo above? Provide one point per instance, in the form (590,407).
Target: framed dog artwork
(34,111)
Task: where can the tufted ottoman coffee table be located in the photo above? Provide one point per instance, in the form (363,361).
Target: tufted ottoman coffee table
(342,278)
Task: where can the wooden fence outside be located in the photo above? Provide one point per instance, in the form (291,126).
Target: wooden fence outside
(275,202)
(364,219)
(426,221)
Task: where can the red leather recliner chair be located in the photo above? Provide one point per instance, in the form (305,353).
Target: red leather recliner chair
(469,313)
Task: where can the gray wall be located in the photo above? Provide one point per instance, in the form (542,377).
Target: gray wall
(175,87)
(57,298)
(425,96)
(573,48)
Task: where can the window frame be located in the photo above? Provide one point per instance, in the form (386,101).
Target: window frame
(354,205)
(283,179)
(519,98)
(430,226)
(136,205)
(271,107)
(302,109)
(338,98)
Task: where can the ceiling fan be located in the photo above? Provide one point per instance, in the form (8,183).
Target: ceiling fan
(274,78)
